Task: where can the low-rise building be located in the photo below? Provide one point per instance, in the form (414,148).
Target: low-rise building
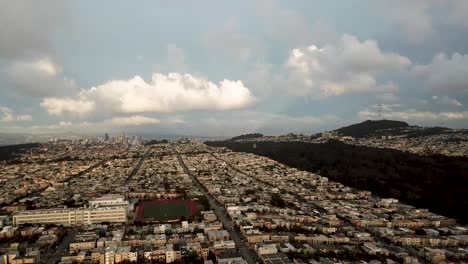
(264,249)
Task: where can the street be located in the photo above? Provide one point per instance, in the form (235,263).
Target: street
(53,255)
(139,164)
(244,250)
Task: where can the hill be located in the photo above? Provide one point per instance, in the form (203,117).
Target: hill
(247,136)
(368,127)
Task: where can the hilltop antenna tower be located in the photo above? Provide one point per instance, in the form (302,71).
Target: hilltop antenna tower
(379,111)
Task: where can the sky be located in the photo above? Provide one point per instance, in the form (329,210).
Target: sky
(224,68)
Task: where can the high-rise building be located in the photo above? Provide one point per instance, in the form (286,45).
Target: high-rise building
(106,137)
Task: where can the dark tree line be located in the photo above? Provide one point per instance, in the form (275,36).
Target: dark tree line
(13,151)
(436,182)
(156,142)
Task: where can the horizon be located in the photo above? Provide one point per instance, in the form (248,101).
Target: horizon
(67,135)
(211,69)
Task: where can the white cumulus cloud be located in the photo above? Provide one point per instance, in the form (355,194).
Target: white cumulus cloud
(173,92)
(348,67)
(60,106)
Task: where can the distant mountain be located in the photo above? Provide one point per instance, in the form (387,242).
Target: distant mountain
(247,136)
(368,127)
(23,138)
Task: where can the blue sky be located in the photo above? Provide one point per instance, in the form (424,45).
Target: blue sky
(222,68)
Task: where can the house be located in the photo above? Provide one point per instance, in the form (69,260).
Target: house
(264,249)
(218,235)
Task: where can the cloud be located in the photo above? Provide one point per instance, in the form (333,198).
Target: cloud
(347,67)
(282,123)
(446,100)
(7,115)
(24,118)
(233,45)
(206,124)
(284,24)
(242,122)
(413,115)
(169,93)
(135,120)
(28,27)
(263,79)
(37,77)
(115,123)
(59,126)
(65,124)
(445,73)
(388,97)
(59,106)
(412,16)
(174,121)
(417,19)
(281,23)
(28,31)
(459,13)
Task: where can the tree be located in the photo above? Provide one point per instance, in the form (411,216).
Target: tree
(277,201)
(249,192)
(70,203)
(204,202)
(211,256)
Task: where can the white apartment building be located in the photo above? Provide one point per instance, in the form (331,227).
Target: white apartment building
(2,220)
(109,254)
(71,216)
(110,200)
(172,255)
(266,249)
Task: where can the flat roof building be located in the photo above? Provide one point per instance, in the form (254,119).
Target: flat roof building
(71,216)
(109,200)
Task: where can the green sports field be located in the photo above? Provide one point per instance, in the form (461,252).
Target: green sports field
(165,211)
